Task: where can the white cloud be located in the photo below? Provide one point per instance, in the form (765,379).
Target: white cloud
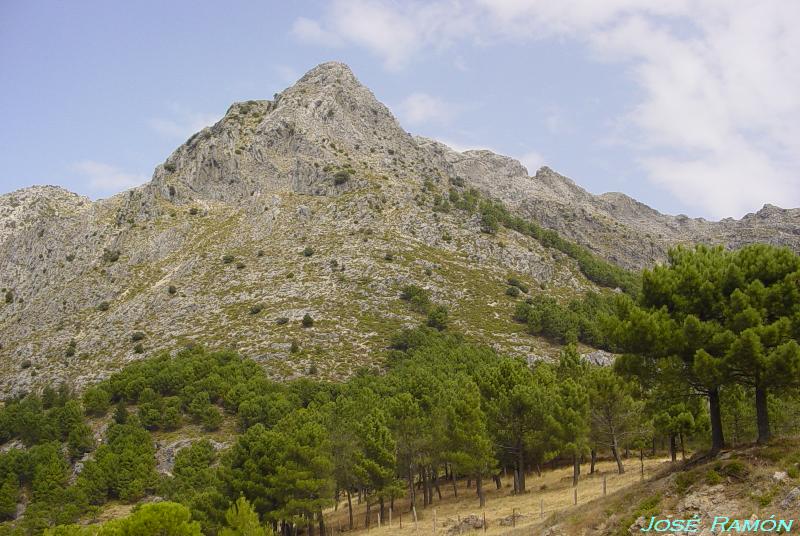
(532,160)
(310,31)
(103,179)
(717,120)
(393,31)
(182,123)
(420,108)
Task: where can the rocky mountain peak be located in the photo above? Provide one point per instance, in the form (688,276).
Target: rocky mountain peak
(328,74)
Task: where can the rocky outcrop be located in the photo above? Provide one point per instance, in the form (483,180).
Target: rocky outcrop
(315,202)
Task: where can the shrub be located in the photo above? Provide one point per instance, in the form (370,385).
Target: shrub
(312,369)
(194,211)
(172,290)
(514,282)
(211,419)
(110,255)
(281,320)
(227,259)
(389,256)
(733,468)
(260,253)
(308,251)
(489,223)
(70,257)
(307,321)
(341,177)
(26,364)
(169,166)
(103,306)
(70,348)
(512,291)
(96,401)
(255,309)
(437,317)
(9,296)
(138,348)
(240,266)
(294,348)
(713,478)
(417,296)
(137,336)
(171,191)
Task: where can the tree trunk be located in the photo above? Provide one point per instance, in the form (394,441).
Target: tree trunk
(594,461)
(455,485)
(538,470)
(479,486)
(412,495)
(576,469)
(369,512)
(426,498)
(321,524)
(435,482)
(762,415)
(683,448)
(641,459)
(383,510)
(350,508)
(498,482)
(615,452)
(673,450)
(715,411)
(653,450)
(520,469)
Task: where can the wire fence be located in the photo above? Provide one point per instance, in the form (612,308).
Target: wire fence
(518,521)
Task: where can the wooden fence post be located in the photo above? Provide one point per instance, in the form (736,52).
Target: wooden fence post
(604,485)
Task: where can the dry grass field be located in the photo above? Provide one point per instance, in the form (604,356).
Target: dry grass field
(546,495)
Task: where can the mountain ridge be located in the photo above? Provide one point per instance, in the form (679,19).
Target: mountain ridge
(314,203)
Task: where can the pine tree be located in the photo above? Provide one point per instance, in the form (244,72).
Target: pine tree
(613,412)
(242,520)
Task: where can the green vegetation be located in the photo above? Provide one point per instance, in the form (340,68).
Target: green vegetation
(712,319)
(341,177)
(714,323)
(494,214)
(417,296)
(582,319)
(110,255)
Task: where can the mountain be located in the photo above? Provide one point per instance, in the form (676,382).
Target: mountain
(315,203)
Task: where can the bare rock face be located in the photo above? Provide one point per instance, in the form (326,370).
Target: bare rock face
(315,202)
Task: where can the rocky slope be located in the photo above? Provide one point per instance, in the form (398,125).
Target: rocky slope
(318,203)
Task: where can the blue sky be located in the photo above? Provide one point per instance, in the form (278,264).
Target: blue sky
(689,106)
